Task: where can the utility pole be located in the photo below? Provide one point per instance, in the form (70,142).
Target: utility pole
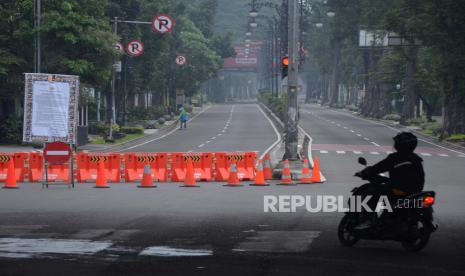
(291,141)
(37,24)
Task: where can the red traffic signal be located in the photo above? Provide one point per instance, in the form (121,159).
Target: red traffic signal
(285,61)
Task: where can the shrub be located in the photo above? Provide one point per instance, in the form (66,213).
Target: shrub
(11,130)
(392,117)
(132,130)
(161,121)
(456,138)
(142,113)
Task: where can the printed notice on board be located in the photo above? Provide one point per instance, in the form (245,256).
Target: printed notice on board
(50,109)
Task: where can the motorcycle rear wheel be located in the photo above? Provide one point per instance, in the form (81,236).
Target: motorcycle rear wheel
(422,234)
(345,232)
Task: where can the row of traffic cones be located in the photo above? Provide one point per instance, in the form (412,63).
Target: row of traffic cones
(262,174)
(306,178)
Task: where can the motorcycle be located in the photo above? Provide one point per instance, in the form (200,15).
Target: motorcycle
(412,227)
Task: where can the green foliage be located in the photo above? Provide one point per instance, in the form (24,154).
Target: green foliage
(11,130)
(141,113)
(456,138)
(132,130)
(277,105)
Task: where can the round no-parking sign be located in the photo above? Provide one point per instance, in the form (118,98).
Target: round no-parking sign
(162,23)
(181,60)
(135,48)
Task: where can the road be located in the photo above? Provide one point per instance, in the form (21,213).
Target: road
(219,230)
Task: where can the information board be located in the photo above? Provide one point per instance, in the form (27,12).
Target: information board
(50,107)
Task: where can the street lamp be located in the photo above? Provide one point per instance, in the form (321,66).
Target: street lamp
(253,24)
(253,12)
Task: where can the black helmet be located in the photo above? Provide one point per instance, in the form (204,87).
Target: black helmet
(405,142)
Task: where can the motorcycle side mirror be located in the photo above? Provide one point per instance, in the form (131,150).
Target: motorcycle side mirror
(362,161)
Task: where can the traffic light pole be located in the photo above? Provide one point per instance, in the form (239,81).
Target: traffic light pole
(292,122)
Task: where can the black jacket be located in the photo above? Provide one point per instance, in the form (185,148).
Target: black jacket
(405,171)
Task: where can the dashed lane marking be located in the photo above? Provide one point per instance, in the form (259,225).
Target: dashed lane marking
(207,142)
(443,155)
(366,139)
(374,153)
(340,152)
(323,151)
(359,135)
(358,152)
(201,146)
(375,144)
(425,154)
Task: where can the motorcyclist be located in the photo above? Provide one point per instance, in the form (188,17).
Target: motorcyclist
(405,168)
(406,174)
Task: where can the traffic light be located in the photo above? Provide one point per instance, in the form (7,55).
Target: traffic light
(284,66)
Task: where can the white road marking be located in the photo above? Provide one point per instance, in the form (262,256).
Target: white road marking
(33,247)
(375,144)
(395,130)
(345,127)
(425,154)
(374,153)
(366,139)
(323,151)
(359,135)
(340,152)
(213,138)
(207,142)
(278,241)
(352,131)
(219,134)
(165,251)
(463,156)
(278,135)
(357,152)
(223,131)
(201,146)
(443,155)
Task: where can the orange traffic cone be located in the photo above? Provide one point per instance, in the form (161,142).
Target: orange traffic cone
(267,170)
(147,179)
(286,178)
(305,179)
(101,181)
(316,174)
(10,182)
(233,180)
(259,175)
(189,181)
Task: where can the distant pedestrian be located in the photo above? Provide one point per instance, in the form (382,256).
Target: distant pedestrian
(183,118)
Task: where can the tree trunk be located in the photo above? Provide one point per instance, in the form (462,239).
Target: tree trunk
(334,81)
(408,109)
(454,111)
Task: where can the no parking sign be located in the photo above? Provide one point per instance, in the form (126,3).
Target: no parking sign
(162,23)
(135,48)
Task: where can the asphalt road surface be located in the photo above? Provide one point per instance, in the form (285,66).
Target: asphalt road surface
(216,230)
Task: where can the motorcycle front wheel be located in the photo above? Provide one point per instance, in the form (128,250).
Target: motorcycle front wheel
(345,231)
(419,235)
